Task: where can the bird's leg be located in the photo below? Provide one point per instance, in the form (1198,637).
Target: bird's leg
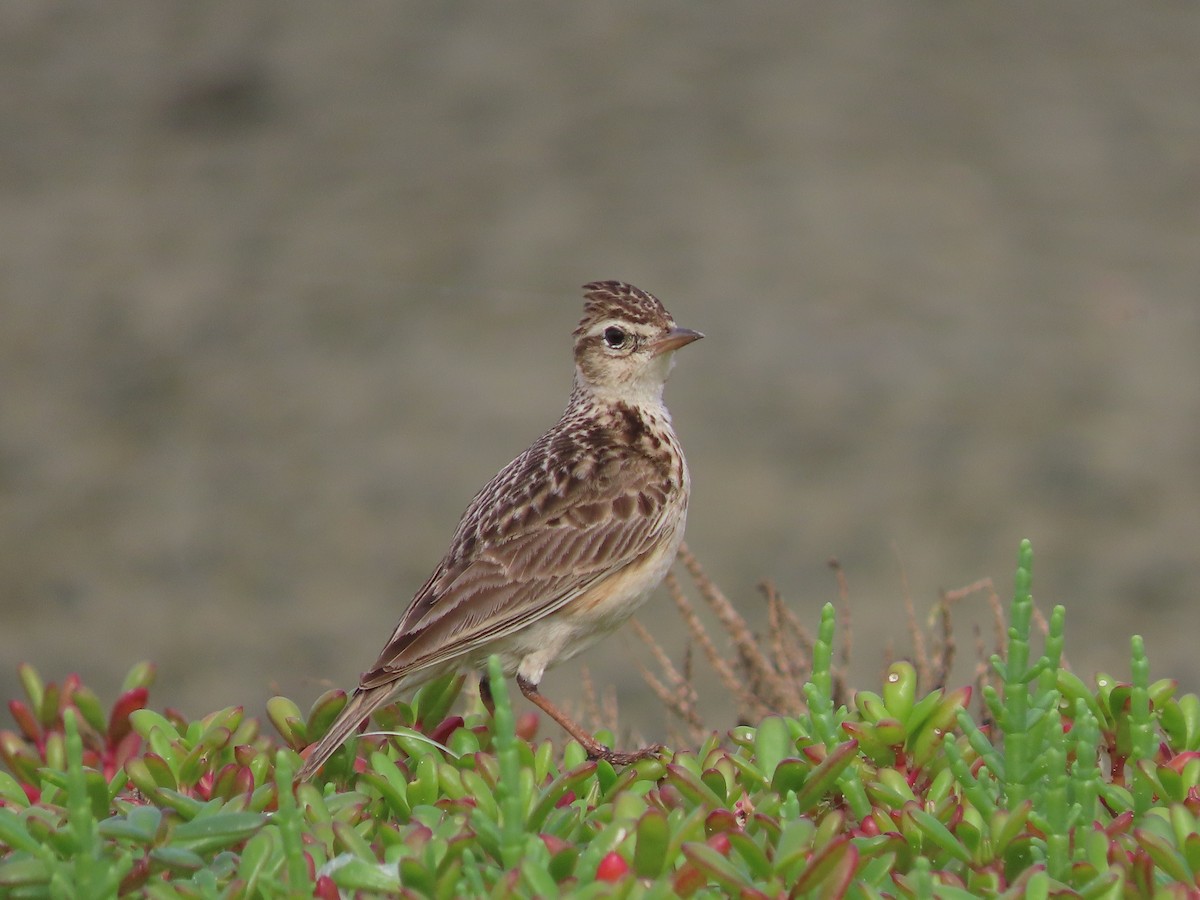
(595,749)
(485,694)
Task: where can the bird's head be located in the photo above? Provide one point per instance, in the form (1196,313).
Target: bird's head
(626,342)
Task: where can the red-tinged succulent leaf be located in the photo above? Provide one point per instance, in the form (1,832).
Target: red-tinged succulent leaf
(688,879)
(215,740)
(890,732)
(752,855)
(18,758)
(48,714)
(790,775)
(720,821)
(285,716)
(54,750)
(1006,825)
(245,780)
(527,725)
(830,827)
(936,833)
(1180,760)
(829,872)
(140,775)
(711,861)
(1118,856)
(869,743)
(612,867)
(1120,699)
(326,889)
(1021,886)
(1191,852)
(434,700)
(1162,691)
(231,781)
(715,781)
(320,715)
(554,843)
(418,836)
(667,798)
(140,676)
(721,843)
(136,876)
(767,824)
(70,685)
(508,884)
(225,721)
(814,753)
(821,780)
(652,841)
(560,792)
(89,707)
(955,817)
(32,682)
(1083,872)
(160,771)
(941,721)
(1164,854)
(125,749)
(445,728)
(1142,870)
(1121,824)
(118,720)
(692,787)
(223,781)
(31,729)
(1168,784)
(922,709)
(870,706)
(1192,801)
(176,718)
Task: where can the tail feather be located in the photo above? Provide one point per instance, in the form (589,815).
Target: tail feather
(362,704)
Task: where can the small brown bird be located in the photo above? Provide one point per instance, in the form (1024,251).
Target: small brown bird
(568,539)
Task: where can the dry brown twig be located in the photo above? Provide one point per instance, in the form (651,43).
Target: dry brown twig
(915,634)
(943,644)
(590,701)
(766,674)
(678,694)
(748,703)
(792,665)
(764,681)
(946,650)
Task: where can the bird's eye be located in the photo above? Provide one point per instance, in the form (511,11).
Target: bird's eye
(615,337)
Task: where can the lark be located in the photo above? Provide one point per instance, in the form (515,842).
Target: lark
(566,541)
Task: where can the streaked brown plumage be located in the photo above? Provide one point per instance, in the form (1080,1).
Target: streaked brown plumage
(567,540)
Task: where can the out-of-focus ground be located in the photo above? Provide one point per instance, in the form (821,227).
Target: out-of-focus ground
(282,285)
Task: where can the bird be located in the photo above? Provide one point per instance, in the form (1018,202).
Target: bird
(566,542)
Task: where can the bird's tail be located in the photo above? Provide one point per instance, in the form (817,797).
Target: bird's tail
(362,703)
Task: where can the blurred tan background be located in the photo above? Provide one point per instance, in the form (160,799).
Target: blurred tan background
(282,285)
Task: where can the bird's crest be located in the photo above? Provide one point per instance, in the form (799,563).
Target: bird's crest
(616,299)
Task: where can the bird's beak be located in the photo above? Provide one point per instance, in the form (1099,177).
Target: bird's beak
(674,339)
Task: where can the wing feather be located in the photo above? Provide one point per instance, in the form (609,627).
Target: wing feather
(529,565)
